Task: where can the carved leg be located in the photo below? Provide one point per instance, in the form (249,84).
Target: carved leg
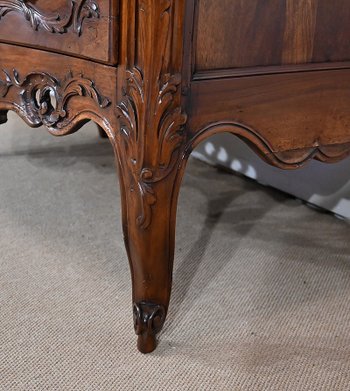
(3,117)
(150,141)
(149,213)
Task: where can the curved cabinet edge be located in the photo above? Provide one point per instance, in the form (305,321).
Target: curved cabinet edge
(288,159)
(62,93)
(287,118)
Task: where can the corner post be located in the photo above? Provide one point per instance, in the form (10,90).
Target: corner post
(150,152)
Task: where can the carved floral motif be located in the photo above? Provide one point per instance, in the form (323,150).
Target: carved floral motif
(72,20)
(150,112)
(170,135)
(44,99)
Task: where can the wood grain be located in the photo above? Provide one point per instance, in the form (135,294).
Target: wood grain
(275,73)
(289,111)
(271,32)
(299,32)
(86,29)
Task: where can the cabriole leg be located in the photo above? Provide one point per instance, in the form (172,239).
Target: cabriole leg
(149,214)
(150,143)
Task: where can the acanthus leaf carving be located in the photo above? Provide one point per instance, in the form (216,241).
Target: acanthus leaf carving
(54,23)
(44,99)
(170,137)
(150,112)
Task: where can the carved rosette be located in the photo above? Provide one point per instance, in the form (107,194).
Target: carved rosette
(73,19)
(150,113)
(44,99)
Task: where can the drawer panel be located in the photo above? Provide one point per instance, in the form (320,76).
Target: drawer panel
(288,111)
(241,33)
(84,28)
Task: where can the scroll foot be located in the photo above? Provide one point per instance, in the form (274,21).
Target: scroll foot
(148,321)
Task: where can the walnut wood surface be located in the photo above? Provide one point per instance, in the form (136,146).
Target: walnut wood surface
(82,89)
(278,32)
(286,111)
(165,92)
(85,28)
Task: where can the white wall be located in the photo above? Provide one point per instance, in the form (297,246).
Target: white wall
(324,185)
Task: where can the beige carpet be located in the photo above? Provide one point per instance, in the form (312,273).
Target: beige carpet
(261,297)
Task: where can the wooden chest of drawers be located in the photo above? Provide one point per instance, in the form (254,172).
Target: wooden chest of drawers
(159,77)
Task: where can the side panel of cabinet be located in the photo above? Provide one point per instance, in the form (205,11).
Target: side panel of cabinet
(241,33)
(290,111)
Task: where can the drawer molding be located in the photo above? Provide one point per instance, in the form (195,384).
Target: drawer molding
(53,23)
(44,99)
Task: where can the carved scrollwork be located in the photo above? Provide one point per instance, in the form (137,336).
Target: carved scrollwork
(148,318)
(150,113)
(73,19)
(44,99)
(169,133)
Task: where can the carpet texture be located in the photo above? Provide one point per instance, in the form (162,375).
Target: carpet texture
(261,297)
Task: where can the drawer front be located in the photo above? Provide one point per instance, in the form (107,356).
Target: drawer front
(84,28)
(241,33)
